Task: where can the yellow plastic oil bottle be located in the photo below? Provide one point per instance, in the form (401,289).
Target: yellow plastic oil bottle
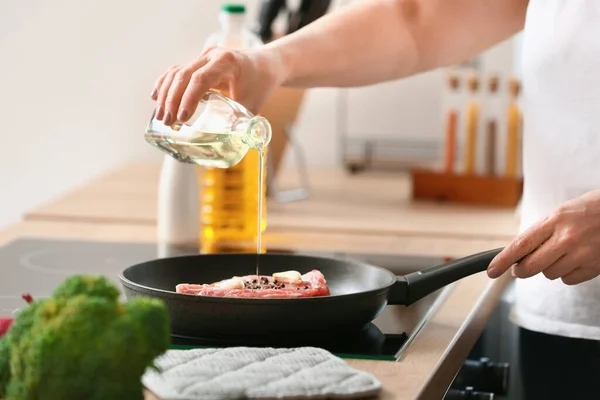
(472,126)
(229,197)
(513,129)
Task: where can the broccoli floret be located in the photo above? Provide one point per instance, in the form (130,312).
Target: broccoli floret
(83,343)
(91,286)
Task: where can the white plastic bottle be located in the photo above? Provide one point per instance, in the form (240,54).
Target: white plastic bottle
(234,33)
(178,207)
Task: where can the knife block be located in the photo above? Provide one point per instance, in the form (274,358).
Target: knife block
(466,189)
(281,110)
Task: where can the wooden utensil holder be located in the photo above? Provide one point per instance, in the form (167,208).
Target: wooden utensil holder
(466,189)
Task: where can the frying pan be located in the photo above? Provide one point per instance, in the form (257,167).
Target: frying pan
(359,292)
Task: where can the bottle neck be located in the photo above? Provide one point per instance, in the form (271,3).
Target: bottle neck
(232,23)
(255,132)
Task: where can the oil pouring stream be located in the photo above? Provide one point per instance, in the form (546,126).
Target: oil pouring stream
(261,156)
(258,137)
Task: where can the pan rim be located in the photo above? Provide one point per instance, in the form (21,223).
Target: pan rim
(245,300)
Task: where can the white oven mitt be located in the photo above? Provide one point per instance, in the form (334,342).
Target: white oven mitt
(256,373)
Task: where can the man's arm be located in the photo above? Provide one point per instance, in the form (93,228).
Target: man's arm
(382,40)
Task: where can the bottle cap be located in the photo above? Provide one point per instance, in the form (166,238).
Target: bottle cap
(454,81)
(473,83)
(494,83)
(514,86)
(233,8)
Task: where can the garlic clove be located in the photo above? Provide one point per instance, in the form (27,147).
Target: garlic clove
(233,283)
(288,276)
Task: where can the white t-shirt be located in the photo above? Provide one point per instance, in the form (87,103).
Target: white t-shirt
(561,150)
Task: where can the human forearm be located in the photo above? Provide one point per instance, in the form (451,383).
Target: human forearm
(381,40)
(368,43)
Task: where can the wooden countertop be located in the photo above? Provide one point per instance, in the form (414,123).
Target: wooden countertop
(365,213)
(366,203)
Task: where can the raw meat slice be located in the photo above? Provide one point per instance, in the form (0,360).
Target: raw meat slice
(5,324)
(287,284)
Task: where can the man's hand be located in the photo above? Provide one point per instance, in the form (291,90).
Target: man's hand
(565,245)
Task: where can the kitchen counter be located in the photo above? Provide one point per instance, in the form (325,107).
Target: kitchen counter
(364,213)
(367,203)
(369,212)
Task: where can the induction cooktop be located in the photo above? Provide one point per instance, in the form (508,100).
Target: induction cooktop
(36,266)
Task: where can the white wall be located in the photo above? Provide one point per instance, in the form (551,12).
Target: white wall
(518,47)
(409,108)
(75,79)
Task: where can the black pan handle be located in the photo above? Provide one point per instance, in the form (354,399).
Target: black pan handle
(414,286)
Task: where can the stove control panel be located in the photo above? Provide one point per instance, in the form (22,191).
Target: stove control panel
(467,394)
(479,379)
